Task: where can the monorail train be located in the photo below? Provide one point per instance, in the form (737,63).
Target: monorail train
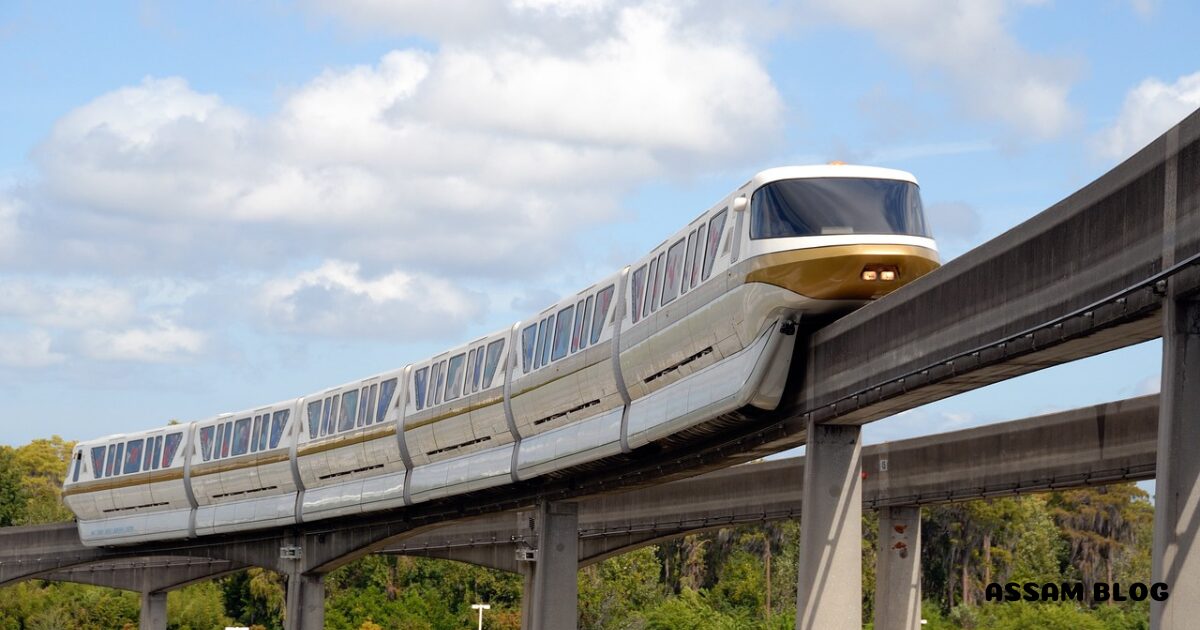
(698,327)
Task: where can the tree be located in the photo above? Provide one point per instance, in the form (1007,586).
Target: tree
(12,489)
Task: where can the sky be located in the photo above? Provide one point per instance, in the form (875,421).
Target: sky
(205,207)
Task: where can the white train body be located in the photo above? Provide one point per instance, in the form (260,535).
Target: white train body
(699,327)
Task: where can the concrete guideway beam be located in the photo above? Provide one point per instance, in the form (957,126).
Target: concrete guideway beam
(154,611)
(551,583)
(898,569)
(829,576)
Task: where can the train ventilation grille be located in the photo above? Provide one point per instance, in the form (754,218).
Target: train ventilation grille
(458,446)
(590,403)
(241,492)
(136,507)
(682,363)
(350,472)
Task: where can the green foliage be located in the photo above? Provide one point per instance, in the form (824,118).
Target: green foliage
(197,607)
(12,490)
(1044,616)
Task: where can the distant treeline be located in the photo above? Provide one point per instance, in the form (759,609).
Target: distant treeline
(741,578)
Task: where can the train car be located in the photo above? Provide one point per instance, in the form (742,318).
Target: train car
(661,350)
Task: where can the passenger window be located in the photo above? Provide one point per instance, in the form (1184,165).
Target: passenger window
(349,410)
(528,346)
(562,333)
(603,299)
(494,350)
(220,441)
(437,383)
(158,441)
(466,389)
(78,465)
(687,263)
(638,289)
(697,257)
(577,328)
(548,347)
(279,422)
(98,461)
(326,410)
(386,389)
(543,333)
(657,283)
(587,322)
(331,417)
(263,432)
(454,377)
(133,456)
(206,443)
(419,379)
(120,456)
(362,409)
(651,283)
(241,436)
(254,433)
(172,445)
(148,456)
(478,380)
(715,227)
(671,276)
(314,418)
(371,400)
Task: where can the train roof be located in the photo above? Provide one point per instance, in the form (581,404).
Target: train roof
(829,170)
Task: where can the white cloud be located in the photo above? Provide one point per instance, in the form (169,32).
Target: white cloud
(162,341)
(967,45)
(31,349)
(1149,110)
(62,304)
(336,299)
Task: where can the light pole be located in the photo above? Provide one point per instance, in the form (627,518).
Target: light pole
(481,608)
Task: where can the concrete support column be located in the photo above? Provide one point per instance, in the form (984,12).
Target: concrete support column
(305,602)
(1176,549)
(551,587)
(154,611)
(829,589)
(898,569)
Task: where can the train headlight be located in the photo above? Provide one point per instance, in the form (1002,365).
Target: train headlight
(887,275)
(869,275)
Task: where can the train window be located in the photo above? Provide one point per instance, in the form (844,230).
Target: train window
(577,329)
(494,350)
(419,379)
(314,418)
(548,348)
(370,404)
(206,442)
(528,345)
(672,273)
(331,419)
(653,280)
(697,257)
(715,227)
(362,408)
(133,456)
(228,441)
(543,333)
(327,414)
(78,465)
(439,372)
(266,429)
(120,457)
(687,263)
(454,376)
(148,456)
(470,376)
(478,380)
(587,322)
(386,389)
(656,292)
(435,377)
(254,433)
(108,465)
(638,288)
(349,410)
(98,461)
(220,444)
(279,422)
(158,459)
(603,299)
(241,436)
(562,333)
(171,446)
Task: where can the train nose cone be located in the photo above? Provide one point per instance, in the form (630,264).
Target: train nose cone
(844,272)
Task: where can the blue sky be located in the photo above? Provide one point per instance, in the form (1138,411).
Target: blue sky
(209,206)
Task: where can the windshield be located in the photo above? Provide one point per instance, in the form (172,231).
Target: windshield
(836,205)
